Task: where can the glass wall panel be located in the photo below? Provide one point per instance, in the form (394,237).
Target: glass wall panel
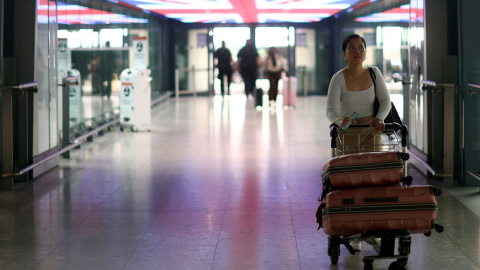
(470,74)
(418,125)
(47,97)
(100,39)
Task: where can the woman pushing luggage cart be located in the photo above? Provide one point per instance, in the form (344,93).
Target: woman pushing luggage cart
(366,189)
(367,196)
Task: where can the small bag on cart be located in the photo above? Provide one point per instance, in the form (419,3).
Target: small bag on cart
(393,116)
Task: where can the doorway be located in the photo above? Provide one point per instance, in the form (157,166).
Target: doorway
(235,38)
(265,37)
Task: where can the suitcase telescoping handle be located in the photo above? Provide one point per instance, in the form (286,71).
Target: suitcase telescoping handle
(388,126)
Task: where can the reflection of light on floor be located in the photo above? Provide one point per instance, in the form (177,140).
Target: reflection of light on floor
(237,88)
(395,90)
(87,85)
(94,106)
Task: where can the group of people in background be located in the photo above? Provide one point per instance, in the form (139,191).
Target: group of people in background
(249,64)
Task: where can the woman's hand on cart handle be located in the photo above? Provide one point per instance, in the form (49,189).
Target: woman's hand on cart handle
(378,125)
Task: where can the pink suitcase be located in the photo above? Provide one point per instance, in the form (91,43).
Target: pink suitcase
(365,169)
(353,211)
(290,91)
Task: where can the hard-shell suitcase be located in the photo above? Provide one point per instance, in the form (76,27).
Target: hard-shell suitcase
(290,91)
(258,97)
(353,211)
(365,169)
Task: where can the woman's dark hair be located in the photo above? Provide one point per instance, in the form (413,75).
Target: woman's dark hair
(350,37)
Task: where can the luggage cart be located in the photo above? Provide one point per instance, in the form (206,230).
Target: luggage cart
(395,136)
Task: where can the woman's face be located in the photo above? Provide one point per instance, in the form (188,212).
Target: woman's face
(355,52)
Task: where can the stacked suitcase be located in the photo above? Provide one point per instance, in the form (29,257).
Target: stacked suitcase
(290,91)
(368,195)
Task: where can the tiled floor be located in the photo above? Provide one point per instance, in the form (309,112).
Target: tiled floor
(216,184)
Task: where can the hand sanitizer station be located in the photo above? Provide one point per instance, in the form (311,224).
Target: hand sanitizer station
(135,100)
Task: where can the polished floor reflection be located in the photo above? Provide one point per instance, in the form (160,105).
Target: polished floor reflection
(216,184)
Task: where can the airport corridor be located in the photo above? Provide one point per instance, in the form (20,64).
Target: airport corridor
(216,184)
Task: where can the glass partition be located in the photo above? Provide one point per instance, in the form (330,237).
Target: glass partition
(100,40)
(48,114)
(418,108)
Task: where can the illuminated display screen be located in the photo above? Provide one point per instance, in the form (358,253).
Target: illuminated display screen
(75,14)
(243,11)
(400,14)
(218,11)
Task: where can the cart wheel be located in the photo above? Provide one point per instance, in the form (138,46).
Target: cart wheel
(335,254)
(396,265)
(333,250)
(121,128)
(368,266)
(428,233)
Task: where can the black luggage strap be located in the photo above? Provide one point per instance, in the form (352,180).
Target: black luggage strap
(375,200)
(318,214)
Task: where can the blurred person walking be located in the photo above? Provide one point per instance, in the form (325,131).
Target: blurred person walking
(224,61)
(249,61)
(275,65)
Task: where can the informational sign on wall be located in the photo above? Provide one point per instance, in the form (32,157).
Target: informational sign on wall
(75,98)
(140,52)
(64,63)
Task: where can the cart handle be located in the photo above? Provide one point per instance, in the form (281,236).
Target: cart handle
(403,132)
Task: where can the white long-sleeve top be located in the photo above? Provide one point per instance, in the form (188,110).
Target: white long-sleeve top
(281,64)
(342,102)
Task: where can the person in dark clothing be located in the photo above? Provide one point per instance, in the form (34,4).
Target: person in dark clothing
(108,64)
(249,61)
(95,69)
(224,65)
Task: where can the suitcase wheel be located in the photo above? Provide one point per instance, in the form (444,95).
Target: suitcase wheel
(435,191)
(396,265)
(404,156)
(407,180)
(439,228)
(368,264)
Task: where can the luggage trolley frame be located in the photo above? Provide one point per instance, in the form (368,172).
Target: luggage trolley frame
(386,249)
